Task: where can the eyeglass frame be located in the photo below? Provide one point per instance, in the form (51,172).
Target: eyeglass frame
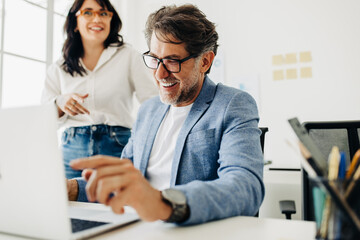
(180,61)
(81,12)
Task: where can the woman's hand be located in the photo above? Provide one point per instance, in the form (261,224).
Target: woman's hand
(71,104)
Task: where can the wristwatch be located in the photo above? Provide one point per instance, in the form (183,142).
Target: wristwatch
(177,201)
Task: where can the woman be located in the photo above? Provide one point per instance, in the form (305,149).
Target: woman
(93,84)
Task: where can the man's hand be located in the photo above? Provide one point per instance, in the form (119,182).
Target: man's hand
(72,187)
(110,175)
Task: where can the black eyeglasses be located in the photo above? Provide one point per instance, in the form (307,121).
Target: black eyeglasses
(171,65)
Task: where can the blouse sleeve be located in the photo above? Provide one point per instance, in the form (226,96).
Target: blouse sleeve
(52,87)
(52,84)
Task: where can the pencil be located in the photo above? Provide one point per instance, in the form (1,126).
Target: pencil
(352,183)
(334,159)
(353,164)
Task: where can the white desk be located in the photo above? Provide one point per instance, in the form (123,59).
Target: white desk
(232,228)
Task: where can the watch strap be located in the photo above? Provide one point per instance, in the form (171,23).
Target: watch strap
(179,214)
(180,209)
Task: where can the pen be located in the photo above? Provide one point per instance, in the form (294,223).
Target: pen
(337,224)
(342,166)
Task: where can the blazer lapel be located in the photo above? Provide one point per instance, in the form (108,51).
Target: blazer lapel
(199,107)
(150,137)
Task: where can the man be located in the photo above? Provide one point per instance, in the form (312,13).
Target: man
(198,143)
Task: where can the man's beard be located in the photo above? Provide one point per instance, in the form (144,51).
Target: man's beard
(186,94)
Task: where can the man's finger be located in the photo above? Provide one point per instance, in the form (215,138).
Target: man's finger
(95,162)
(91,187)
(86,173)
(109,185)
(117,203)
(115,169)
(102,175)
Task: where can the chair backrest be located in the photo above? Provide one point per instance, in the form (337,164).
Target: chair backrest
(262,137)
(262,142)
(344,134)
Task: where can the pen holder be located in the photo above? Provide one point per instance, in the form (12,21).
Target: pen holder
(332,220)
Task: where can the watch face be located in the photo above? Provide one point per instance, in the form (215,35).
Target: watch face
(174,196)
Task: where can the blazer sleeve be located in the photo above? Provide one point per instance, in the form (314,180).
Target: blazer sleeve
(239,188)
(128,151)
(82,197)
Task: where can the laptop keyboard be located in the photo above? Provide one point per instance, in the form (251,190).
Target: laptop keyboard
(79,224)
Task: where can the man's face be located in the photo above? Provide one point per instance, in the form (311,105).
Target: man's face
(177,89)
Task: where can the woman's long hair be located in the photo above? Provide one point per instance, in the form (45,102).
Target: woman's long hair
(73,49)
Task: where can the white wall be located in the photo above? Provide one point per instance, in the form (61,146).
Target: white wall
(253,31)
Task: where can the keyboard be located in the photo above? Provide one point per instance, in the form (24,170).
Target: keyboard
(79,224)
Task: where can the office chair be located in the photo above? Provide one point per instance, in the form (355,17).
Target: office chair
(262,137)
(345,135)
(262,142)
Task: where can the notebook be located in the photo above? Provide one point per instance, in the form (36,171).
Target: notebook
(33,192)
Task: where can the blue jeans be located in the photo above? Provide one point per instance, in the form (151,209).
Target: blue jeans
(80,142)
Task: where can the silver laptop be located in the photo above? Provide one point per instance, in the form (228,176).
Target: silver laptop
(33,195)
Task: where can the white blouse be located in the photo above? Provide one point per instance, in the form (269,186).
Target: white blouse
(119,74)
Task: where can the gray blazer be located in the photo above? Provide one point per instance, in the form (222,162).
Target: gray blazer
(218,162)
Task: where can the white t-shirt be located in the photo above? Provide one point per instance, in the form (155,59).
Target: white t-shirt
(162,153)
(119,74)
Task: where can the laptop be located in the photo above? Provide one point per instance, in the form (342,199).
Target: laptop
(33,192)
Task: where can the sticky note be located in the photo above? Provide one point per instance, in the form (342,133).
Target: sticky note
(305,57)
(291,73)
(278,75)
(306,72)
(290,58)
(278,60)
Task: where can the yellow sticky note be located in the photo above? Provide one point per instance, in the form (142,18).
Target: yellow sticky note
(291,73)
(278,75)
(306,72)
(278,60)
(290,58)
(305,57)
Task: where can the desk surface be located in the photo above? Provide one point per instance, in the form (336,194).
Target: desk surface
(231,228)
